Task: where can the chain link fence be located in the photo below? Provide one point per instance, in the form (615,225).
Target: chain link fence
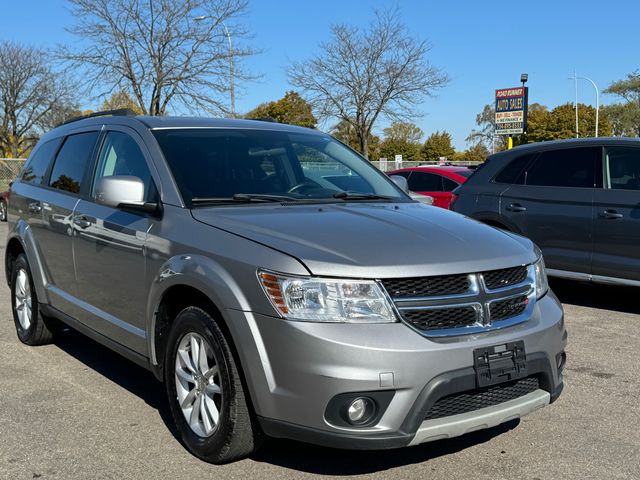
(9,169)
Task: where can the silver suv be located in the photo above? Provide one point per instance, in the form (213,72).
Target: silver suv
(279,284)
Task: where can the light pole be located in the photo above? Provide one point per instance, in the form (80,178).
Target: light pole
(575,79)
(231,63)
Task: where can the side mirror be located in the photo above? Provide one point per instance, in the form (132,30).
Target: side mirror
(400,181)
(123,191)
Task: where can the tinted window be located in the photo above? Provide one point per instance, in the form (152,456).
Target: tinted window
(38,164)
(511,173)
(623,164)
(121,155)
(402,174)
(570,167)
(71,162)
(449,184)
(215,164)
(425,182)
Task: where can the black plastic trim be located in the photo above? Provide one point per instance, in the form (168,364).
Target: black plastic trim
(129,354)
(348,441)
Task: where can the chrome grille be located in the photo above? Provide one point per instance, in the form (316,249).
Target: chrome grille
(439,318)
(427,286)
(505,277)
(464,303)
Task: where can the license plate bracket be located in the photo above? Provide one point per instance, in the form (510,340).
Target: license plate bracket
(500,363)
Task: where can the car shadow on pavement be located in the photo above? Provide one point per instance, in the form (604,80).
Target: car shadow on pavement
(327,461)
(606,297)
(285,453)
(119,370)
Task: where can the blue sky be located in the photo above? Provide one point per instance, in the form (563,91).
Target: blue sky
(481,45)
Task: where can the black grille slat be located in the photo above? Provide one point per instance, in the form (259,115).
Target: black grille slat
(510,307)
(481,398)
(440,318)
(505,277)
(427,286)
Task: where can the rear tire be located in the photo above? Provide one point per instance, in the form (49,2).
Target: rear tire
(30,325)
(205,391)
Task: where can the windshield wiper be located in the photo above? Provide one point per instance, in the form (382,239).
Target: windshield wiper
(243,198)
(361,196)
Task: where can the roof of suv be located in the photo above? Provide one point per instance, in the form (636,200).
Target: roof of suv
(187,122)
(573,142)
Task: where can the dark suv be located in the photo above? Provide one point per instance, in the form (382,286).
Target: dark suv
(578,200)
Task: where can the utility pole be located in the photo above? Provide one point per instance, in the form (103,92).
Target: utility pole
(232,89)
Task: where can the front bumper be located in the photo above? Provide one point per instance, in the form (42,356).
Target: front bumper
(294,369)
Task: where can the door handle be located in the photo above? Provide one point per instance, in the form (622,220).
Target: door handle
(516,207)
(35,207)
(81,221)
(610,215)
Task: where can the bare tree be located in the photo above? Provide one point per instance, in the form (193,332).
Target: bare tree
(158,52)
(361,75)
(29,92)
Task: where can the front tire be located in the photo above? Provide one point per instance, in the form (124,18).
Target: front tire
(207,398)
(30,325)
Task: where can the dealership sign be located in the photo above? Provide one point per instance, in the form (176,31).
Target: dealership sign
(511,111)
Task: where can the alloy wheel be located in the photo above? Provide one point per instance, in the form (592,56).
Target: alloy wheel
(22,294)
(198,384)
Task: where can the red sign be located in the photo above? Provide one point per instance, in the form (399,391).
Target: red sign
(510,92)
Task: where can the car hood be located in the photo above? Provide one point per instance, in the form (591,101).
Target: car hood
(374,240)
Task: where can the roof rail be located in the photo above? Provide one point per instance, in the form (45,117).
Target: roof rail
(120,112)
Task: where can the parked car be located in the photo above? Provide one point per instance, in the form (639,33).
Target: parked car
(273,296)
(4,201)
(576,199)
(436,182)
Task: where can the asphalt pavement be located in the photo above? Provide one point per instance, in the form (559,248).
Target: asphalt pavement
(76,410)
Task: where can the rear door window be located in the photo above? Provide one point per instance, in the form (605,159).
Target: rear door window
(623,168)
(37,166)
(512,173)
(448,184)
(425,182)
(569,167)
(71,162)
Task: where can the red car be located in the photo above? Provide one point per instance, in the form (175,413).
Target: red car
(437,182)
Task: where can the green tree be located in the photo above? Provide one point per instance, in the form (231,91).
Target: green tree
(562,122)
(291,108)
(404,132)
(439,144)
(476,153)
(624,118)
(121,99)
(391,147)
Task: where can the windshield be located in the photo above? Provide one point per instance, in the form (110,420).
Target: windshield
(218,165)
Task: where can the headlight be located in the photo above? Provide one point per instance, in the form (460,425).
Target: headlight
(542,284)
(314,299)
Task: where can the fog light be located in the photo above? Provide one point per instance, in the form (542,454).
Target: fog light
(360,410)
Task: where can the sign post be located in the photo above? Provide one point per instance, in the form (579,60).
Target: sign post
(511,112)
